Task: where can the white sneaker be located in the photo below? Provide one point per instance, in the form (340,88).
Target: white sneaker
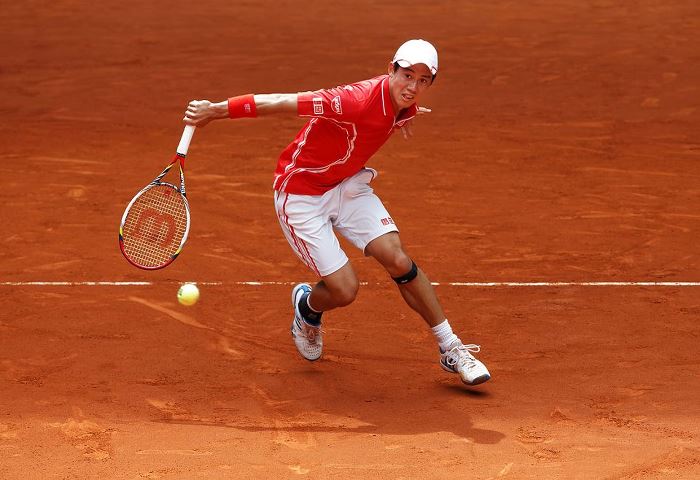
(458,358)
(307,338)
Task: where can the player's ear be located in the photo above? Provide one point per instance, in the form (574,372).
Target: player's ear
(390,70)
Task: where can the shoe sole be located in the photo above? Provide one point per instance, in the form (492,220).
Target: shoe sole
(477,381)
(294,307)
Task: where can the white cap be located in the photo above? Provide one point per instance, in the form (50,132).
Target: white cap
(417,51)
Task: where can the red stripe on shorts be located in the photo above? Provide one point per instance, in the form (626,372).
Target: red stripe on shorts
(310,257)
(305,257)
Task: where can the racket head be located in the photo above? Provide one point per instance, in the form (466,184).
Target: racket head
(154,226)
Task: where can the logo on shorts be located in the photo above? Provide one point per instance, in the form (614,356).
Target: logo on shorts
(388,221)
(318,106)
(336,105)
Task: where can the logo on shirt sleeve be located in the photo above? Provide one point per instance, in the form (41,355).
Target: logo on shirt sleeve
(318,105)
(336,105)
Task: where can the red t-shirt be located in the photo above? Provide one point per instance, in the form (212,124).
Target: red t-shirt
(348,125)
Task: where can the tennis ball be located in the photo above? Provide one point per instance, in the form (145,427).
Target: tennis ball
(188,294)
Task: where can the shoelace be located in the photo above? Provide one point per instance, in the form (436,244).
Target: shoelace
(311,332)
(463,354)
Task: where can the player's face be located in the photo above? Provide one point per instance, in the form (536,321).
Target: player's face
(407,84)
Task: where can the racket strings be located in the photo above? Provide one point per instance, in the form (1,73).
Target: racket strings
(155,226)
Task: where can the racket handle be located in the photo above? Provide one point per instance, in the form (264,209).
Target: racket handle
(185,140)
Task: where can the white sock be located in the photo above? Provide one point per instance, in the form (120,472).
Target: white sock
(444,335)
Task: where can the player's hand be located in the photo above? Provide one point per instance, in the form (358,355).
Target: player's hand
(407,128)
(199,113)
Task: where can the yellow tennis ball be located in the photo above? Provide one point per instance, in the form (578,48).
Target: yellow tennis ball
(188,294)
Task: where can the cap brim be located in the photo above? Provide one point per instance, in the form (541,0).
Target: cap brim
(406,64)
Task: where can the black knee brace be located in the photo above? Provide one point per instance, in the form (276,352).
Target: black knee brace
(403,279)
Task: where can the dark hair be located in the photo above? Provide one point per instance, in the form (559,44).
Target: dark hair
(396,67)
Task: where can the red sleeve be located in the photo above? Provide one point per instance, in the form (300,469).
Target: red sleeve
(339,103)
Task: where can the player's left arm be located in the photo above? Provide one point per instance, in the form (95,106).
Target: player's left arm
(407,129)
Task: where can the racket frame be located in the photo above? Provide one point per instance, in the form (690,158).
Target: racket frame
(179,158)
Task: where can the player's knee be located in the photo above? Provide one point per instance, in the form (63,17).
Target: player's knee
(345,294)
(409,274)
(398,263)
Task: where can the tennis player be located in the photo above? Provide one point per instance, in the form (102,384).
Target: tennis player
(322,187)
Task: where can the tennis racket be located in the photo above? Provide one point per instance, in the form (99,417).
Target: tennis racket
(156,221)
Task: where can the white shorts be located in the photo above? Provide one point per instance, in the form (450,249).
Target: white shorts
(351,208)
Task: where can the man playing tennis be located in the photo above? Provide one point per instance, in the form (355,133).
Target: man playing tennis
(322,186)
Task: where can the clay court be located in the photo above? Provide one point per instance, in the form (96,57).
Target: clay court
(562,147)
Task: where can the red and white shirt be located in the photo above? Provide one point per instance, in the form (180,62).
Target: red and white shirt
(348,125)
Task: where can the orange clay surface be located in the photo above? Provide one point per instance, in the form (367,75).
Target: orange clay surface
(563,146)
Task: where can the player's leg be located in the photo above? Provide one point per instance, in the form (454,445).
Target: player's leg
(335,290)
(413,284)
(419,294)
(305,221)
(365,221)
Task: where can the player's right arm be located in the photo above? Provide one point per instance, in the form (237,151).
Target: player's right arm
(201,112)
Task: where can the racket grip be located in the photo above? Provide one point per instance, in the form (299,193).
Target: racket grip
(185,140)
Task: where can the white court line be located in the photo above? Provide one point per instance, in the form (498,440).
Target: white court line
(451,284)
